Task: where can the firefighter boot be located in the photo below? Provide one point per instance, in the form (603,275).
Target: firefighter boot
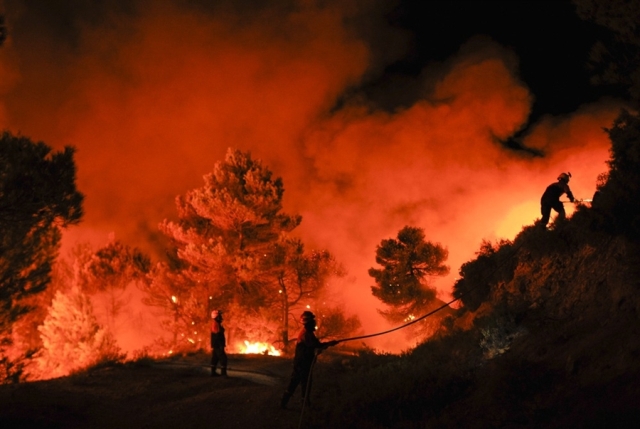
(285,400)
(223,371)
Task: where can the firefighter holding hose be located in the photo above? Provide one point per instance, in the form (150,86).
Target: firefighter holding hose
(307,345)
(551,198)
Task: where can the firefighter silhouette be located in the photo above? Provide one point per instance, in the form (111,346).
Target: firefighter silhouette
(551,198)
(218,343)
(307,345)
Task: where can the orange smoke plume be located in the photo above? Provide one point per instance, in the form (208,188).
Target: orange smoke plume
(153,96)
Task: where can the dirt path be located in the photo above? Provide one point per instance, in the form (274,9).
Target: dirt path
(167,394)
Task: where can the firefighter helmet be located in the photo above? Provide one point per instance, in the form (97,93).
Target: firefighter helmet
(307,317)
(564,176)
(216,314)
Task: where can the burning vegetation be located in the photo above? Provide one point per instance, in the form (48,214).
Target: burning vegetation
(535,316)
(548,322)
(554,308)
(230,248)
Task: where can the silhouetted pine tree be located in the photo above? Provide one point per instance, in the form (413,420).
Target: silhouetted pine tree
(402,283)
(38,197)
(617,199)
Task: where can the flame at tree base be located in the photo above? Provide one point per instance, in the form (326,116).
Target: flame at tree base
(258,347)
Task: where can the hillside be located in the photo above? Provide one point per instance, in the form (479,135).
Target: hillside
(554,344)
(547,334)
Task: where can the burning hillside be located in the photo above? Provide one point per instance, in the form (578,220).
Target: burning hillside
(148,125)
(178,147)
(547,335)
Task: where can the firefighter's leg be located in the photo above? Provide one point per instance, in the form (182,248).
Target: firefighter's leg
(559,207)
(214,362)
(545,210)
(223,362)
(293,384)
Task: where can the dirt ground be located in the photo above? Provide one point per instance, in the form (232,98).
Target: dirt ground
(176,393)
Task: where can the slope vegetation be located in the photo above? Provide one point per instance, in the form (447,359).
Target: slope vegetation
(547,336)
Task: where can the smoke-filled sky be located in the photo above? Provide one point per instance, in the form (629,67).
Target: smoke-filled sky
(376,114)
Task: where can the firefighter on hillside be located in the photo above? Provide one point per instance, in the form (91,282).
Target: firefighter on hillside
(218,343)
(551,198)
(307,344)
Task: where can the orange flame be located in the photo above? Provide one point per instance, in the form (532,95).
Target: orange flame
(258,347)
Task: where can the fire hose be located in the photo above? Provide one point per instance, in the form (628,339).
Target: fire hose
(307,390)
(305,399)
(317,352)
(416,320)
(447,304)
(577,201)
(397,328)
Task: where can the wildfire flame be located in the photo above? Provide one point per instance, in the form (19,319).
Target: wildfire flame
(257,347)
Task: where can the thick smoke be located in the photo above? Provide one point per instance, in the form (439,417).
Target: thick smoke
(153,93)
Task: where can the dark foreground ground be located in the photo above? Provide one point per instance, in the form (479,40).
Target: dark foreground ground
(172,394)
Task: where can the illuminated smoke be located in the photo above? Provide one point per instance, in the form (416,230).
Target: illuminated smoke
(153,94)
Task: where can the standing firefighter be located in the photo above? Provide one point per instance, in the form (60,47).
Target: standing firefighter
(307,345)
(218,343)
(551,198)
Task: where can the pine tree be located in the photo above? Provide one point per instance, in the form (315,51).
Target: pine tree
(38,198)
(616,201)
(224,232)
(407,262)
(233,251)
(615,58)
(116,265)
(108,274)
(72,338)
(300,278)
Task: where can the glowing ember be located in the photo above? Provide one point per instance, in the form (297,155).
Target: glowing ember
(258,347)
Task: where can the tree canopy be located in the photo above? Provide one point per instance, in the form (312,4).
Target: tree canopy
(116,265)
(232,250)
(72,338)
(407,261)
(38,197)
(223,238)
(300,277)
(616,200)
(225,227)
(615,58)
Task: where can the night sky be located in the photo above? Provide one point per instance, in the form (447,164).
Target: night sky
(551,42)
(449,116)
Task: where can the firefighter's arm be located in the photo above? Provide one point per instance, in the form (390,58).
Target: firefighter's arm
(570,194)
(329,344)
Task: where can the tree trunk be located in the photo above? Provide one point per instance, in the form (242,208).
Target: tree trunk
(285,315)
